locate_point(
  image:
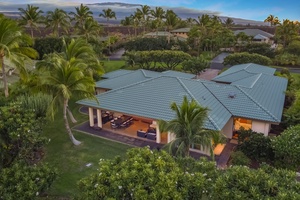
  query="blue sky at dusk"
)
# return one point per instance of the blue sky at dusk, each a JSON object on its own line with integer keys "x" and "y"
{"x": 246, "y": 9}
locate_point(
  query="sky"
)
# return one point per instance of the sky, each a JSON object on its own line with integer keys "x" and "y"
{"x": 246, "y": 9}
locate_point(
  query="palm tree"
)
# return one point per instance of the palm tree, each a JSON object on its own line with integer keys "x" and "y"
{"x": 57, "y": 19}
{"x": 127, "y": 21}
{"x": 228, "y": 22}
{"x": 144, "y": 11}
{"x": 81, "y": 15}
{"x": 190, "y": 21}
{"x": 90, "y": 28}
{"x": 158, "y": 14}
{"x": 286, "y": 32}
{"x": 63, "y": 75}
{"x": 171, "y": 21}
{"x": 31, "y": 16}
{"x": 108, "y": 14}
{"x": 204, "y": 20}
{"x": 272, "y": 20}
{"x": 188, "y": 129}
{"x": 11, "y": 39}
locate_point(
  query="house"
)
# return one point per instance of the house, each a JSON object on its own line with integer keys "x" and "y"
{"x": 257, "y": 35}
{"x": 247, "y": 95}
{"x": 158, "y": 34}
{"x": 181, "y": 33}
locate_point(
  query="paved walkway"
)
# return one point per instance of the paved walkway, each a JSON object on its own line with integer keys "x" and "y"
{"x": 225, "y": 155}
{"x": 117, "y": 55}
{"x": 217, "y": 62}
{"x": 85, "y": 127}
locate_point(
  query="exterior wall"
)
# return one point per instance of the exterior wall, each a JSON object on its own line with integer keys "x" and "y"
{"x": 261, "y": 127}
{"x": 184, "y": 35}
{"x": 228, "y": 128}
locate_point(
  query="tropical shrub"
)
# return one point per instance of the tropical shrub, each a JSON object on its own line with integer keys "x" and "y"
{"x": 287, "y": 147}
{"x": 257, "y": 146}
{"x": 195, "y": 65}
{"x": 20, "y": 135}
{"x": 158, "y": 60}
{"x": 48, "y": 45}
{"x": 147, "y": 174}
{"x": 287, "y": 59}
{"x": 259, "y": 48}
{"x": 239, "y": 158}
{"x": 294, "y": 48}
{"x": 240, "y": 182}
{"x": 244, "y": 57}
{"x": 21, "y": 181}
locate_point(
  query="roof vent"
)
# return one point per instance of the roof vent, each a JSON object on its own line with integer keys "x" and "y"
{"x": 231, "y": 95}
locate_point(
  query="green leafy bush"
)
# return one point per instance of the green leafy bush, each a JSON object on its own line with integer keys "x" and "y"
{"x": 256, "y": 146}
{"x": 239, "y": 158}
{"x": 259, "y": 48}
{"x": 195, "y": 65}
{"x": 287, "y": 147}
{"x": 21, "y": 181}
{"x": 242, "y": 58}
{"x": 48, "y": 45}
{"x": 146, "y": 174}
{"x": 240, "y": 182}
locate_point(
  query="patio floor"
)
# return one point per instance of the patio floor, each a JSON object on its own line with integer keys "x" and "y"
{"x": 129, "y": 137}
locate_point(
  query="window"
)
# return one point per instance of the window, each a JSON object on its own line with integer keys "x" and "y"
{"x": 242, "y": 122}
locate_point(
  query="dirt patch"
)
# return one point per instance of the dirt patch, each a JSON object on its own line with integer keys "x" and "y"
{"x": 208, "y": 74}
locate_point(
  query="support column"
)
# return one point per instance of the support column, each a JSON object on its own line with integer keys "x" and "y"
{"x": 91, "y": 117}
{"x": 171, "y": 136}
{"x": 158, "y": 135}
{"x": 99, "y": 118}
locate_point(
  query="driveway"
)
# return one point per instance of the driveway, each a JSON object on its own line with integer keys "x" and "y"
{"x": 217, "y": 62}
{"x": 117, "y": 55}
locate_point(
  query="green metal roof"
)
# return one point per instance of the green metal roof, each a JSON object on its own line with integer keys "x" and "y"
{"x": 259, "y": 97}
{"x": 178, "y": 74}
{"x": 254, "y": 32}
{"x": 181, "y": 30}
{"x": 126, "y": 77}
{"x": 149, "y": 99}
{"x": 159, "y": 33}
{"x": 116, "y": 73}
{"x": 269, "y": 92}
{"x": 238, "y": 72}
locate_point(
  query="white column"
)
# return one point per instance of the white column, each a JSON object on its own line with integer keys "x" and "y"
{"x": 158, "y": 135}
{"x": 171, "y": 136}
{"x": 99, "y": 118}
{"x": 91, "y": 116}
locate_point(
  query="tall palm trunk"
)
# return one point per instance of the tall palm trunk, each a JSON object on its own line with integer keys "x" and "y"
{"x": 75, "y": 142}
{"x": 4, "y": 78}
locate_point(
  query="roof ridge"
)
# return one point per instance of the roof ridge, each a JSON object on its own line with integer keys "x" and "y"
{"x": 247, "y": 66}
{"x": 136, "y": 83}
{"x": 190, "y": 93}
{"x": 129, "y": 71}
{"x": 252, "y": 99}
{"x": 256, "y": 79}
{"x": 215, "y": 95}
{"x": 236, "y": 72}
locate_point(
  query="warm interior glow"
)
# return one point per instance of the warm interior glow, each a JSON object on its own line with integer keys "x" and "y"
{"x": 242, "y": 122}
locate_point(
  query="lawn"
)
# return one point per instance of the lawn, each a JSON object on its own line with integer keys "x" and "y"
{"x": 70, "y": 160}
{"x": 113, "y": 65}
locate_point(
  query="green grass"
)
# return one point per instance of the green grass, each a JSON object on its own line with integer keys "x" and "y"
{"x": 113, "y": 65}
{"x": 70, "y": 160}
